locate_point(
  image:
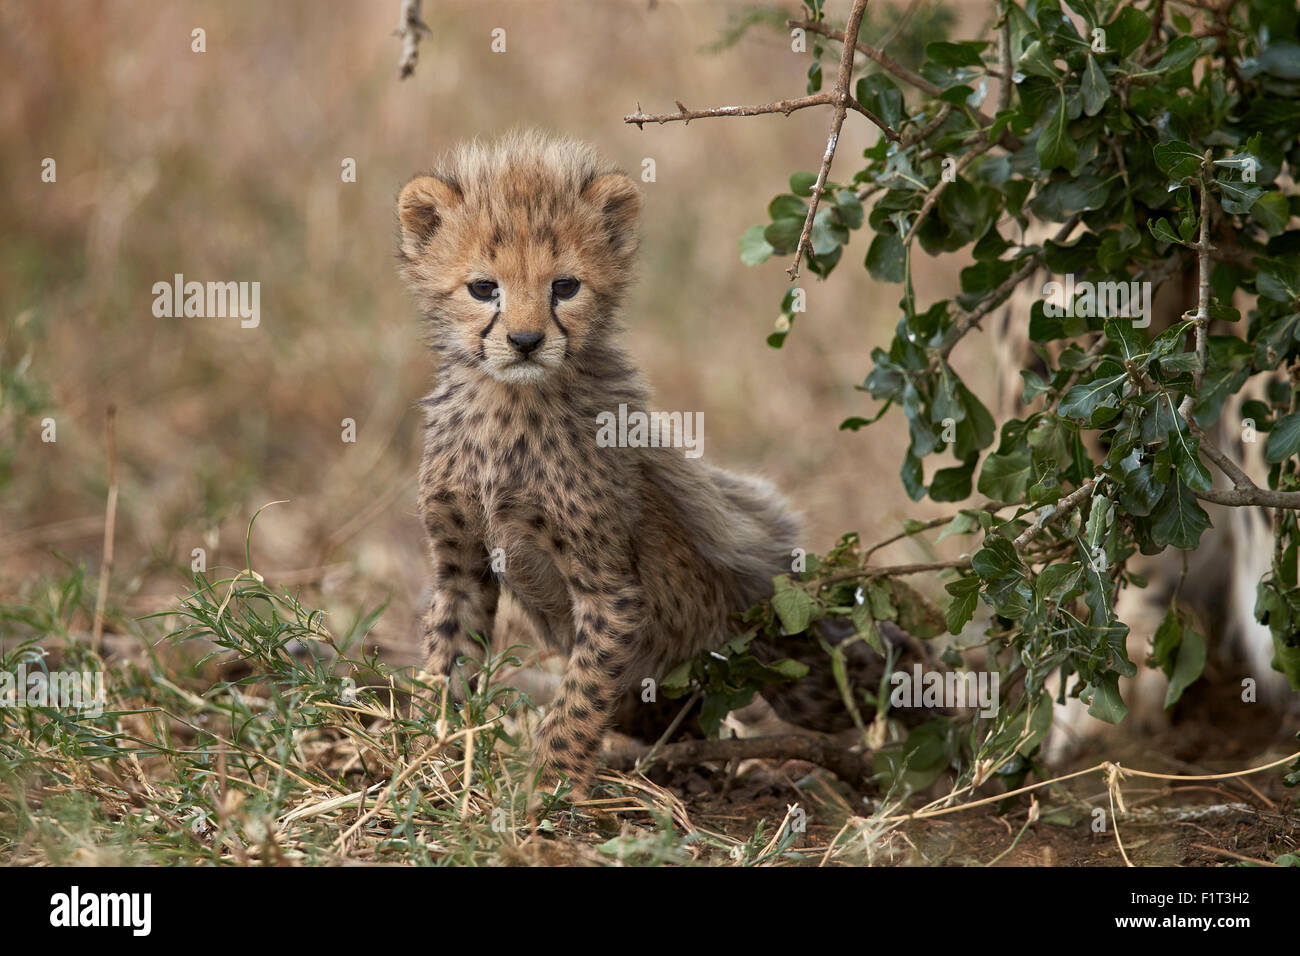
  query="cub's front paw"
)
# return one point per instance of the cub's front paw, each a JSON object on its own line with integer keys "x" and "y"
{"x": 459, "y": 669}
{"x": 560, "y": 773}
{"x": 552, "y": 790}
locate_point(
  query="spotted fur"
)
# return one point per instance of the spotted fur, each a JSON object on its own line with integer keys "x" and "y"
{"x": 628, "y": 559}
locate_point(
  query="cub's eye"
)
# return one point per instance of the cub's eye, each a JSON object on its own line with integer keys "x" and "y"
{"x": 483, "y": 289}
{"x": 565, "y": 287}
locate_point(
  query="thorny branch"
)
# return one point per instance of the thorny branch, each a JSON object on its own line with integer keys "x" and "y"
{"x": 854, "y": 769}
{"x": 932, "y": 523}
{"x": 842, "y": 81}
{"x": 1244, "y": 491}
{"x": 840, "y": 96}
{"x": 1055, "y": 512}
{"x": 1006, "y": 140}
{"x": 1202, "y": 317}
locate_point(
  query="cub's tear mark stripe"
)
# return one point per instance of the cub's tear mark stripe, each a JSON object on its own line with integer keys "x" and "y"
{"x": 482, "y": 336}
{"x": 560, "y": 325}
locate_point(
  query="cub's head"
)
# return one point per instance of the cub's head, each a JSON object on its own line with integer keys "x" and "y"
{"x": 518, "y": 252}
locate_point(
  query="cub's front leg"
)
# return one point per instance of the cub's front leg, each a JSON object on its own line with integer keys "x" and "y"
{"x": 465, "y": 591}
{"x": 609, "y": 622}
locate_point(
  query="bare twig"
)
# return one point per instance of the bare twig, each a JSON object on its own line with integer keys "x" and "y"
{"x": 1254, "y": 495}
{"x": 1055, "y": 512}
{"x": 644, "y": 763}
{"x": 684, "y": 115}
{"x": 879, "y": 56}
{"x": 1244, "y": 491}
{"x": 933, "y": 523}
{"x": 1202, "y": 317}
{"x": 110, "y": 520}
{"x": 895, "y": 570}
{"x": 928, "y": 130}
{"x": 1004, "y": 61}
{"x": 410, "y": 29}
{"x": 972, "y": 319}
{"x": 1047, "y": 516}
{"x": 900, "y": 24}
{"x": 1157, "y": 24}
{"x": 1231, "y": 855}
{"x": 845, "y": 97}
{"x": 1225, "y": 464}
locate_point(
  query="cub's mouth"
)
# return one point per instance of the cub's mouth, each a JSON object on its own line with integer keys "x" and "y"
{"x": 521, "y": 371}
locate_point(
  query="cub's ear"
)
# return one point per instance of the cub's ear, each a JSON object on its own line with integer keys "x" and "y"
{"x": 619, "y": 203}
{"x": 423, "y": 202}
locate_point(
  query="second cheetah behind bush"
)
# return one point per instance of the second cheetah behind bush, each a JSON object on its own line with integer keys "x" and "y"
{"x": 630, "y": 559}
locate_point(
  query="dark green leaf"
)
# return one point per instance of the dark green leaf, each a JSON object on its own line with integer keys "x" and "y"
{"x": 1238, "y": 198}
{"x": 952, "y": 484}
{"x": 965, "y": 595}
{"x": 878, "y": 93}
{"x": 953, "y": 55}
{"x": 1094, "y": 88}
{"x": 1107, "y": 704}
{"x": 1283, "y": 439}
{"x": 1188, "y": 664}
{"x": 801, "y": 184}
{"x": 1272, "y": 212}
{"x": 1005, "y": 477}
{"x": 783, "y": 235}
{"x": 1177, "y": 159}
{"x": 1081, "y": 401}
{"x": 885, "y": 259}
{"x": 1055, "y": 146}
{"x": 1128, "y": 31}
{"x": 1178, "y": 520}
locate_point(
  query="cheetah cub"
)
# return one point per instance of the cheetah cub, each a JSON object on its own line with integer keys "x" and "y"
{"x": 630, "y": 560}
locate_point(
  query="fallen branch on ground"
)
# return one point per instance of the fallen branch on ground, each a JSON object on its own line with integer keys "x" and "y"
{"x": 852, "y": 768}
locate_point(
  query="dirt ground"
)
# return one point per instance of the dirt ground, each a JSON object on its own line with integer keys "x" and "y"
{"x": 1250, "y": 819}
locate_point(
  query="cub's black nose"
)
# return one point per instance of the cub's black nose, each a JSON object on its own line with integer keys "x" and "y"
{"x": 524, "y": 342}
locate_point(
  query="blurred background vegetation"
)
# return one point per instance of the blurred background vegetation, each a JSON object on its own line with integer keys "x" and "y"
{"x": 225, "y": 166}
